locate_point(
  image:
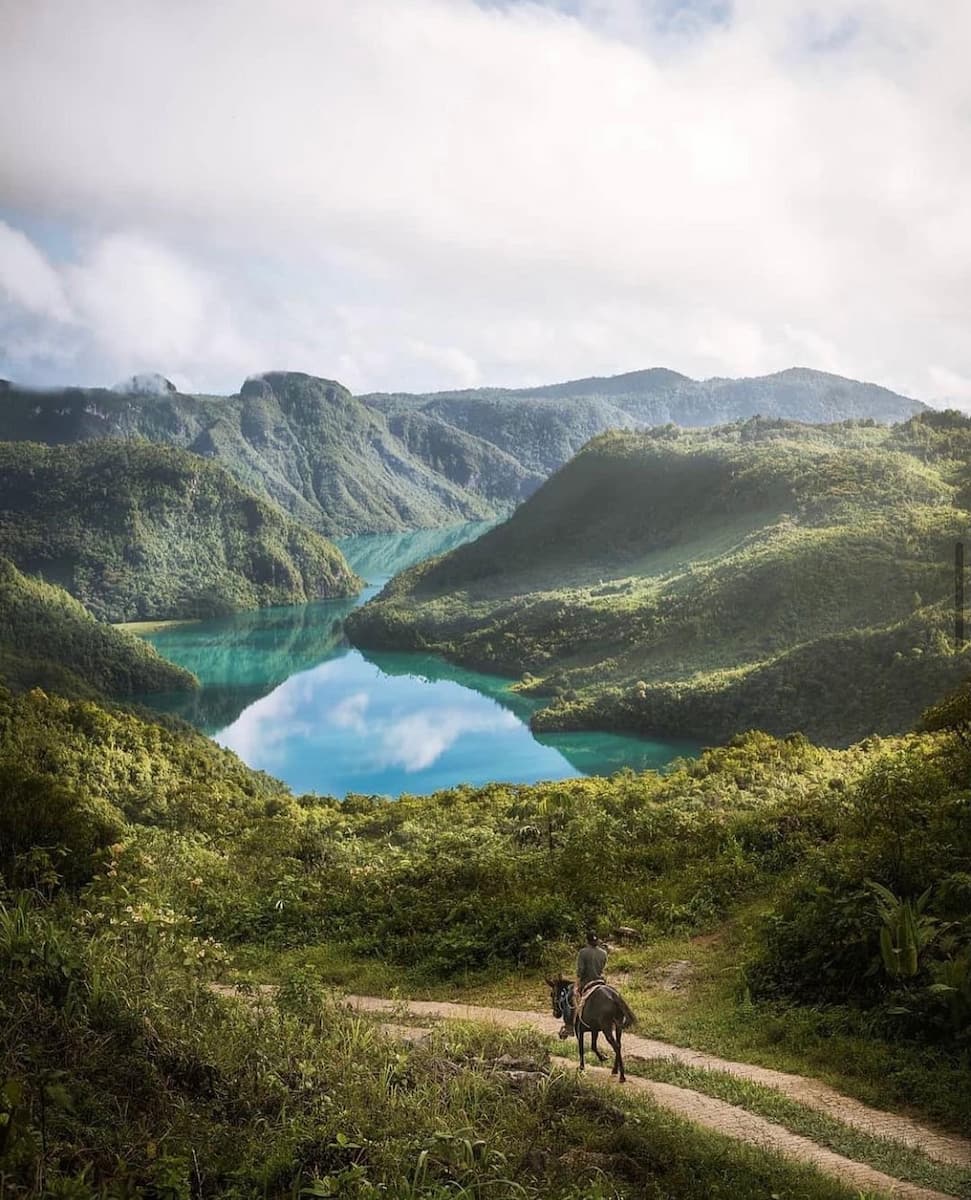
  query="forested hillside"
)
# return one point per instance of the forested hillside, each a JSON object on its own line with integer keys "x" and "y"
{"x": 347, "y": 465}
{"x": 764, "y": 574}
{"x": 48, "y": 639}
{"x": 137, "y": 531}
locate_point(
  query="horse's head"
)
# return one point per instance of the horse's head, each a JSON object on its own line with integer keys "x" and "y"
{"x": 560, "y": 999}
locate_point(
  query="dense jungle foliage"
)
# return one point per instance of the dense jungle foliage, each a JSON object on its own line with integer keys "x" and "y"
{"x": 137, "y": 856}
{"x": 764, "y": 574}
{"x": 49, "y": 639}
{"x": 136, "y": 531}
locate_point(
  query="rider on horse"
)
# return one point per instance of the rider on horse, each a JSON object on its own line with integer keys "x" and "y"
{"x": 590, "y": 962}
{"x": 590, "y": 1005}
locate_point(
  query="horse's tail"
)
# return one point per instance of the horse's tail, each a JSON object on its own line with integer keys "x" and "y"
{"x": 629, "y": 1018}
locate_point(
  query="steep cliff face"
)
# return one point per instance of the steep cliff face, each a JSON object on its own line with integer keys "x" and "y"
{"x": 304, "y": 442}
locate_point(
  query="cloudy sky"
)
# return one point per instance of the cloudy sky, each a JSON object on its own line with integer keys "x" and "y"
{"x": 435, "y": 193}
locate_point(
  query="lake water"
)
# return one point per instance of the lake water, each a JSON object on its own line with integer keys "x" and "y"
{"x": 282, "y": 687}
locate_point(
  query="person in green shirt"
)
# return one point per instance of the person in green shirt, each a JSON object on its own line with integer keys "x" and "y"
{"x": 590, "y": 962}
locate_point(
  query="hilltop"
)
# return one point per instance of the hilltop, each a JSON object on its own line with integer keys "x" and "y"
{"x": 764, "y": 574}
{"x": 136, "y": 531}
{"x": 346, "y": 464}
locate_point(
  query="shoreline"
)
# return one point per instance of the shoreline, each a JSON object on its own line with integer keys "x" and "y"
{"x": 143, "y": 627}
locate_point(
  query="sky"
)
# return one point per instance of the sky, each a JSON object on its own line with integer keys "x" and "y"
{"x": 429, "y": 194}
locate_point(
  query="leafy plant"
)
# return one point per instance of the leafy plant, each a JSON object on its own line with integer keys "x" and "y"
{"x": 906, "y": 931}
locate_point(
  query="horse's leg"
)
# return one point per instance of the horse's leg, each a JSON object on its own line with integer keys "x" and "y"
{"x": 594, "y": 1034}
{"x": 620, "y": 1053}
{"x": 583, "y": 1065}
{"x": 612, "y": 1034}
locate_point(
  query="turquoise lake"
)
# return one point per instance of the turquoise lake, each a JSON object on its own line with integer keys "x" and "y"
{"x": 284, "y": 689}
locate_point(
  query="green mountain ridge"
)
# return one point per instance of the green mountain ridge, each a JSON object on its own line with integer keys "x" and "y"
{"x": 766, "y": 574}
{"x": 138, "y": 531}
{"x": 48, "y": 639}
{"x": 305, "y": 443}
{"x": 545, "y": 426}
{"x": 346, "y": 464}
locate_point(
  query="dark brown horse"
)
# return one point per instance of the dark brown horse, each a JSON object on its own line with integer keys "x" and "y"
{"x": 604, "y": 1012}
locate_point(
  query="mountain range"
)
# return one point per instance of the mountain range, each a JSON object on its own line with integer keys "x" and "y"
{"x": 346, "y": 464}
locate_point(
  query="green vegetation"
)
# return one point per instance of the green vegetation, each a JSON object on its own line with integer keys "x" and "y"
{"x": 48, "y": 639}
{"x": 543, "y": 427}
{"x": 137, "y": 531}
{"x": 894, "y": 1159}
{"x": 137, "y": 855}
{"x": 172, "y": 1091}
{"x": 150, "y": 855}
{"x": 825, "y": 891}
{"x": 764, "y": 574}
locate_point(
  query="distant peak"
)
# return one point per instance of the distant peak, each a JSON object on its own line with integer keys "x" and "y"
{"x": 280, "y": 382}
{"x": 149, "y": 383}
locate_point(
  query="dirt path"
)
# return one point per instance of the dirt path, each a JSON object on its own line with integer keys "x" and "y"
{"x": 747, "y": 1127}
{"x": 944, "y": 1147}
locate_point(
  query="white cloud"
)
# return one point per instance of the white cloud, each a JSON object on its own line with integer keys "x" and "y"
{"x": 441, "y": 193}
{"x": 27, "y": 280}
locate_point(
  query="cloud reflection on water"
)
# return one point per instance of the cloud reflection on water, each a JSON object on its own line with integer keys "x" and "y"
{"x": 348, "y": 723}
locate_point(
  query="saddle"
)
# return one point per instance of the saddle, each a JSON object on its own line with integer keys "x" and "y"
{"x": 581, "y": 996}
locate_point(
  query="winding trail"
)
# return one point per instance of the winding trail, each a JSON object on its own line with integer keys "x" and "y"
{"x": 944, "y": 1147}
{"x": 707, "y": 1111}
{"x": 744, "y": 1126}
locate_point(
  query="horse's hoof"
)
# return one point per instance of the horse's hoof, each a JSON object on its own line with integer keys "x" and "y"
{"x": 623, "y": 1079}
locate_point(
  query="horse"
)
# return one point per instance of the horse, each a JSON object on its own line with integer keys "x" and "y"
{"x": 604, "y": 1012}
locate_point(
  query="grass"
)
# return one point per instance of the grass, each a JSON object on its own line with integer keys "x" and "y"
{"x": 689, "y": 1018}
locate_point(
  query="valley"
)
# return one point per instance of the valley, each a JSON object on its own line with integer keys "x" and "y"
{"x": 240, "y": 849}
{"x": 283, "y": 689}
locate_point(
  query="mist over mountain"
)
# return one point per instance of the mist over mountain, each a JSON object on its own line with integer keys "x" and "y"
{"x": 150, "y": 384}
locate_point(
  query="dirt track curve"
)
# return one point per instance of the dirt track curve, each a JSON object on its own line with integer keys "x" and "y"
{"x": 744, "y": 1126}
{"x": 726, "y": 1118}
